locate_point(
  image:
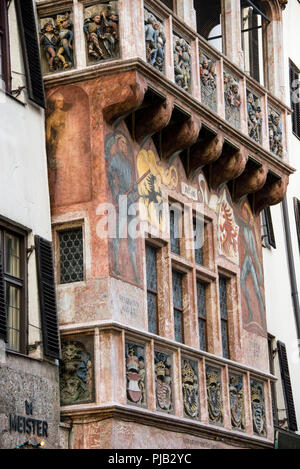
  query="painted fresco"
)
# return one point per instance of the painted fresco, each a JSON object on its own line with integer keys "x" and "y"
{"x": 68, "y": 146}
{"x": 152, "y": 174}
{"x": 123, "y": 188}
{"x": 251, "y": 270}
{"x": 228, "y": 230}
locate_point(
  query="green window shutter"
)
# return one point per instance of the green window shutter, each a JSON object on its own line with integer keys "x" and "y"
{"x": 287, "y": 387}
{"x": 31, "y": 52}
{"x": 47, "y": 297}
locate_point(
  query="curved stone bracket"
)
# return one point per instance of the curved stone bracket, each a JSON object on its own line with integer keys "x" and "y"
{"x": 153, "y": 119}
{"x": 179, "y": 137}
{"x": 272, "y": 193}
{"x": 228, "y": 167}
{"x": 250, "y": 181}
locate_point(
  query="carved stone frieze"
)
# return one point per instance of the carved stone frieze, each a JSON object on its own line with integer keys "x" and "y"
{"x": 190, "y": 388}
{"x": 258, "y": 408}
{"x": 182, "y": 63}
{"x": 135, "y": 373}
{"x": 163, "y": 381}
{"x": 237, "y": 406}
{"x": 101, "y": 29}
{"x": 232, "y": 100}
{"x": 208, "y": 79}
{"x": 56, "y": 40}
{"x": 214, "y": 395}
{"x": 155, "y": 41}
{"x": 254, "y": 113}
{"x": 275, "y": 132}
{"x": 76, "y": 373}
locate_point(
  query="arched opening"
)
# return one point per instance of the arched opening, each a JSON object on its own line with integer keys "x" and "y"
{"x": 209, "y": 21}
{"x": 254, "y": 22}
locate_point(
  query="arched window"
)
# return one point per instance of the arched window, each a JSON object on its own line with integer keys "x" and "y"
{"x": 253, "y": 24}
{"x": 209, "y": 21}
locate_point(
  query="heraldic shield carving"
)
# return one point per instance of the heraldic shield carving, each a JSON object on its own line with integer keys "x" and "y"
{"x": 258, "y": 408}
{"x": 237, "y": 409}
{"x": 163, "y": 381}
{"x": 214, "y": 395}
{"x": 190, "y": 389}
{"x": 76, "y": 373}
{"x": 135, "y": 373}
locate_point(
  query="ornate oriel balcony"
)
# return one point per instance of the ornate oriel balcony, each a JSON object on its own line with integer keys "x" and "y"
{"x": 141, "y": 105}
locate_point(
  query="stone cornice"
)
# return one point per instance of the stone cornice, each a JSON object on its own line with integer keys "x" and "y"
{"x": 85, "y": 414}
{"x": 186, "y": 100}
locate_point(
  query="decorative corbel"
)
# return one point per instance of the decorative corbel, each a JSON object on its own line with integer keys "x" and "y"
{"x": 228, "y": 167}
{"x": 179, "y": 137}
{"x": 272, "y": 193}
{"x": 121, "y": 95}
{"x": 153, "y": 119}
{"x": 250, "y": 181}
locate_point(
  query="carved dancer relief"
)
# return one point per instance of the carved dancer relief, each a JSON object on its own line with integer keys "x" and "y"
{"x": 237, "y": 408}
{"x": 101, "y": 28}
{"x": 208, "y": 79}
{"x": 155, "y": 41}
{"x": 190, "y": 388}
{"x": 75, "y": 373}
{"x": 135, "y": 373}
{"x": 254, "y": 113}
{"x": 232, "y": 100}
{"x": 214, "y": 395}
{"x": 275, "y": 132}
{"x": 163, "y": 381}
{"x": 258, "y": 407}
{"x": 56, "y": 39}
{"x": 182, "y": 63}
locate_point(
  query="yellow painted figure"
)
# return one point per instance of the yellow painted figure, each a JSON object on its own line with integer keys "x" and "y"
{"x": 151, "y": 175}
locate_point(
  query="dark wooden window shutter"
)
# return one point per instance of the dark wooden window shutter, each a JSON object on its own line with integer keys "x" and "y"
{"x": 269, "y": 226}
{"x": 31, "y": 53}
{"x": 3, "y": 326}
{"x": 295, "y": 105}
{"x": 287, "y": 387}
{"x": 297, "y": 216}
{"x": 47, "y": 297}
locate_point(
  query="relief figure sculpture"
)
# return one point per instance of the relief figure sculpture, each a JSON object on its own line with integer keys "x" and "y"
{"x": 155, "y": 41}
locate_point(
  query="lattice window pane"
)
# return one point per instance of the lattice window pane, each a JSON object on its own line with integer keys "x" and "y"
{"x": 152, "y": 312}
{"x": 151, "y": 268}
{"x": 223, "y": 297}
{"x": 224, "y": 339}
{"x": 175, "y": 231}
{"x": 71, "y": 255}
{"x": 198, "y": 240}
{"x": 177, "y": 289}
{"x": 178, "y": 325}
{"x": 202, "y": 333}
{"x": 201, "y": 301}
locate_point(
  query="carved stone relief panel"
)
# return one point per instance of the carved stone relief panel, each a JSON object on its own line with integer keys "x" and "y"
{"x": 101, "y": 29}
{"x": 190, "y": 388}
{"x": 208, "y": 80}
{"x": 258, "y": 407}
{"x": 182, "y": 63}
{"x": 214, "y": 395}
{"x": 155, "y": 41}
{"x": 135, "y": 373}
{"x": 275, "y": 132}
{"x": 57, "y": 42}
{"x": 232, "y": 100}
{"x": 163, "y": 381}
{"x": 237, "y": 407}
{"x": 254, "y": 114}
{"x": 76, "y": 371}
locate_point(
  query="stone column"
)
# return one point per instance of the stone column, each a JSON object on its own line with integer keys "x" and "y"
{"x": 186, "y": 11}
{"x": 231, "y": 12}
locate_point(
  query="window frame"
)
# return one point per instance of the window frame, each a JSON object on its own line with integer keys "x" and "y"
{"x": 4, "y": 42}
{"x": 293, "y": 69}
{"x": 19, "y": 282}
{"x": 156, "y": 293}
{"x": 57, "y": 229}
{"x": 227, "y": 319}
